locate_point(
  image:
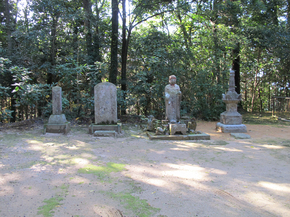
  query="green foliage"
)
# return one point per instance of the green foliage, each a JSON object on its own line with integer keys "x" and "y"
{"x": 67, "y": 45}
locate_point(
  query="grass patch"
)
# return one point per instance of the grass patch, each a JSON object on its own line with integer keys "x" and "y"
{"x": 140, "y": 207}
{"x": 263, "y": 119}
{"x": 102, "y": 171}
{"x": 47, "y": 209}
{"x": 50, "y": 204}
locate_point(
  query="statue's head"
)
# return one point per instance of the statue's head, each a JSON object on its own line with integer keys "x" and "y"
{"x": 172, "y": 79}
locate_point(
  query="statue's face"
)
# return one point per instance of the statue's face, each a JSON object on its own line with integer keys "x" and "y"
{"x": 172, "y": 80}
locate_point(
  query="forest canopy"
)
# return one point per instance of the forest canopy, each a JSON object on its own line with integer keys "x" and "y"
{"x": 137, "y": 44}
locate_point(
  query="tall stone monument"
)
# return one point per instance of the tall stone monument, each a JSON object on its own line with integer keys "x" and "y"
{"x": 105, "y": 103}
{"x": 57, "y": 122}
{"x": 231, "y": 120}
{"x": 172, "y": 107}
{"x": 105, "y": 97}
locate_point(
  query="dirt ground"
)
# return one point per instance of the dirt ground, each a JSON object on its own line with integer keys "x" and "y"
{"x": 81, "y": 175}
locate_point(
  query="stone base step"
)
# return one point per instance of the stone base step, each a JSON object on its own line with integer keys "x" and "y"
{"x": 57, "y": 128}
{"x": 93, "y": 127}
{"x": 105, "y": 133}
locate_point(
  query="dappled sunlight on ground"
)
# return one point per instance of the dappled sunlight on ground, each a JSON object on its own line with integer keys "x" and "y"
{"x": 228, "y": 149}
{"x": 284, "y": 187}
{"x": 96, "y": 176}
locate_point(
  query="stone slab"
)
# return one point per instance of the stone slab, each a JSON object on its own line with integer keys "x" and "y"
{"x": 241, "y": 128}
{"x": 104, "y": 133}
{"x": 174, "y": 128}
{"x": 117, "y": 128}
{"x": 201, "y": 136}
{"x": 105, "y": 97}
{"x": 56, "y": 100}
{"x": 240, "y": 136}
{"x": 57, "y": 128}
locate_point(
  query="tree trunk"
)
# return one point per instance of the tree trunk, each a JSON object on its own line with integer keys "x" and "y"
{"x": 97, "y": 56}
{"x": 8, "y": 28}
{"x": 114, "y": 43}
{"x": 124, "y": 57}
{"x": 236, "y": 67}
{"x": 51, "y": 76}
{"x": 88, "y": 32}
{"x": 75, "y": 42}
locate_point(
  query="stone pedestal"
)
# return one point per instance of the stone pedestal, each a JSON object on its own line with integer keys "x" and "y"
{"x": 177, "y": 128}
{"x": 240, "y": 128}
{"x": 231, "y": 120}
{"x": 113, "y": 128}
{"x": 57, "y": 122}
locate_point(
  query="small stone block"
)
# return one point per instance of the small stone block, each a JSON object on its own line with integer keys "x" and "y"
{"x": 240, "y": 136}
{"x": 57, "y": 128}
{"x": 105, "y": 133}
{"x": 117, "y": 128}
{"x": 241, "y": 128}
{"x": 201, "y": 136}
{"x": 174, "y": 128}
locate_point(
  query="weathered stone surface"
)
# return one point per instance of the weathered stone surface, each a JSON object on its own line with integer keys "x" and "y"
{"x": 57, "y": 122}
{"x": 172, "y": 100}
{"x": 105, "y": 133}
{"x": 231, "y": 120}
{"x": 117, "y": 128}
{"x": 241, "y": 128}
{"x": 150, "y": 123}
{"x": 201, "y": 136}
{"x": 174, "y": 128}
{"x": 57, "y": 119}
{"x": 57, "y": 128}
{"x": 105, "y": 103}
{"x": 56, "y": 101}
{"x": 240, "y": 136}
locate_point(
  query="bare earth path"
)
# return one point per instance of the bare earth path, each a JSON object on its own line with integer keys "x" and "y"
{"x": 80, "y": 175}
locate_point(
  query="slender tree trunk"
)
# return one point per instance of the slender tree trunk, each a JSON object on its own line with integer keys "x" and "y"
{"x": 88, "y": 10}
{"x": 255, "y": 82}
{"x": 97, "y": 43}
{"x": 236, "y": 67}
{"x": 50, "y": 76}
{"x": 114, "y": 43}
{"x": 8, "y": 28}
{"x": 124, "y": 56}
{"x": 75, "y": 42}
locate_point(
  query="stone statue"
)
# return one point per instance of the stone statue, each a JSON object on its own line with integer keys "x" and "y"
{"x": 150, "y": 124}
{"x": 172, "y": 100}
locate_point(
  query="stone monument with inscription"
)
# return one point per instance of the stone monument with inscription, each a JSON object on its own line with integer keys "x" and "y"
{"x": 105, "y": 104}
{"x": 172, "y": 107}
{"x": 231, "y": 120}
{"x": 57, "y": 122}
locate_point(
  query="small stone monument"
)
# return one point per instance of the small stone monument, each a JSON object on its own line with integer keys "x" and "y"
{"x": 231, "y": 120}
{"x": 105, "y": 97}
{"x": 172, "y": 105}
{"x": 57, "y": 122}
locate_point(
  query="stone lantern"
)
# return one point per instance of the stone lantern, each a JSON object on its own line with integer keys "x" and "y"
{"x": 231, "y": 119}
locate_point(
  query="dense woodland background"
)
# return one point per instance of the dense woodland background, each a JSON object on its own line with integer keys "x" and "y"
{"x": 137, "y": 44}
